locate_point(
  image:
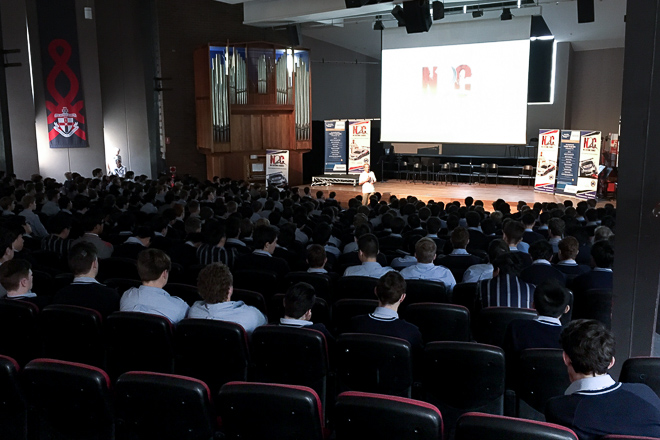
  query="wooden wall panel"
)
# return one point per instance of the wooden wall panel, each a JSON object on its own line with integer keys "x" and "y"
{"x": 204, "y": 117}
{"x": 276, "y": 131}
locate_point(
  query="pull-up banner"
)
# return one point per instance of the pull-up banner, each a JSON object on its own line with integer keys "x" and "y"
{"x": 579, "y": 156}
{"x": 359, "y": 145}
{"x": 335, "y": 147}
{"x": 546, "y": 165}
{"x": 60, "y": 60}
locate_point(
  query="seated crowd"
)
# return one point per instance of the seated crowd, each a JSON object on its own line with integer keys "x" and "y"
{"x": 541, "y": 256}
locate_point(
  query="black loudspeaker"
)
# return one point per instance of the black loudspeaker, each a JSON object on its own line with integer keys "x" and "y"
{"x": 418, "y": 16}
{"x": 294, "y": 35}
{"x": 585, "y": 11}
{"x": 438, "y": 10}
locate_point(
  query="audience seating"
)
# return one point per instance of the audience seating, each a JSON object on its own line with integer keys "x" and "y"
{"x": 114, "y": 267}
{"x": 594, "y": 304}
{"x": 42, "y": 282}
{"x": 476, "y": 426}
{"x": 644, "y": 370}
{"x": 626, "y": 437}
{"x": 13, "y": 407}
{"x": 163, "y": 406}
{"x": 122, "y": 284}
{"x": 540, "y": 375}
{"x": 374, "y": 363}
{"x": 459, "y": 377}
{"x": 425, "y": 291}
{"x": 72, "y": 333}
{"x": 265, "y": 282}
{"x": 68, "y": 400}
{"x": 345, "y": 309}
{"x": 186, "y": 292}
{"x": 490, "y": 327}
{"x": 251, "y": 298}
{"x": 440, "y": 322}
{"x": 215, "y": 352}
{"x": 320, "y": 282}
{"x": 270, "y": 411}
{"x": 18, "y": 327}
{"x": 139, "y": 341}
{"x": 361, "y": 416}
{"x": 355, "y": 288}
{"x": 291, "y": 356}
{"x": 320, "y": 310}
{"x": 465, "y": 294}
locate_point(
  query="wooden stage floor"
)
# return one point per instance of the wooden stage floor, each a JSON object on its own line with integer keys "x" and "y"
{"x": 488, "y": 193}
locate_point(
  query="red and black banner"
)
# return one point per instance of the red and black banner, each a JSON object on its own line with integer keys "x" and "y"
{"x": 60, "y": 61}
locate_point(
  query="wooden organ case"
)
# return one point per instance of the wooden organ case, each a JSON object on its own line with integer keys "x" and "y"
{"x": 251, "y": 97}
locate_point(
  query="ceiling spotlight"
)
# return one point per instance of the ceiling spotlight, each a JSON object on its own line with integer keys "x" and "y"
{"x": 506, "y": 14}
{"x": 397, "y": 12}
{"x": 378, "y": 25}
{"x": 477, "y": 13}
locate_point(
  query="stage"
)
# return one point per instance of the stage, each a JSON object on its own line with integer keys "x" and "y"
{"x": 488, "y": 193}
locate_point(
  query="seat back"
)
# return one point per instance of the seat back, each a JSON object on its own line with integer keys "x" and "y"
{"x": 440, "y": 322}
{"x": 458, "y": 377}
{"x": 292, "y": 356}
{"x": 374, "y": 364}
{"x": 186, "y": 292}
{"x": 18, "y": 319}
{"x": 541, "y": 376}
{"x": 264, "y": 282}
{"x": 492, "y": 322}
{"x": 363, "y": 415}
{"x": 162, "y": 406}
{"x": 215, "y": 352}
{"x": 626, "y": 437}
{"x": 476, "y": 426}
{"x": 344, "y": 310}
{"x": 122, "y": 284}
{"x": 114, "y": 267}
{"x": 72, "y": 333}
{"x": 320, "y": 310}
{"x": 594, "y": 304}
{"x": 465, "y": 294}
{"x": 273, "y": 411}
{"x": 355, "y": 288}
{"x": 644, "y": 370}
{"x": 251, "y": 298}
{"x": 68, "y": 400}
{"x": 425, "y": 291}
{"x": 13, "y": 408}
{"x": 42, "y": 282}
{"x": 320, "y": 282}
{"x": 139, "y": 341}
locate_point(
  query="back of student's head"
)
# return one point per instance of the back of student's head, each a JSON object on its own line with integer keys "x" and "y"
{"x": 496, "y": 248}
{"x": 556, "y": 226}
{"x": 541, "y": 250}
{"x": 81, "y": 257}
{"x": 398, "y": 223}
{"x": 473, "y": 219}
{"x": 433, "y": 225}
{"x": 59, "y": 222}
{"x": 460, "y": 237}
{"x": 589, "y": 345}
{"x": 262, "y": 235}
{"x": 151, "y": 263}
{"x": 551, "y": 298}
{"x": 425, "y": 250}
{"x": 514, "y": 231}
{"x": 12, "y": 272}
{"x": 368, "y": 245}
{"x": 603, "y": 254}
{"x": 390, "y": 287}
{"x": 507, "y": 264}
{"x": 316, "y": 256}
{"x": 214, "y": 282}
{"x": 527, "y": 219}
{"x": 298, "y": 300}
{"x": 569, "y": 247}
{"x": 90, "y": 220}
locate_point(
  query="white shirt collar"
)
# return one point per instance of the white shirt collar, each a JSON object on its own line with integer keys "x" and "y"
{"x": 295, "y": 322}
{"x": 590, "y": 384}
{"x": 261, "y": 252}
{"x": 316, "y": 270}
{"x": 602, "y": 269}
{"x": 384, "y": 312}
{"x": 542, "y": 261}
{"x": 549, "y": 320}
{"x": 568, "y": 262}
{"x": 459, "y": 252}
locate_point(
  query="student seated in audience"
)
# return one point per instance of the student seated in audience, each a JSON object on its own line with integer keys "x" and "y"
{"x": 568, "y": 250}
{"x": 367, "y": 253}
{"x": 484, "y": 271}
{"x": 134, "y": 244}
{"x": 16, "y": 279}
{"x": 58, "y": 241}
{"x": 316, "y": 259}
{"x": 594, "y": 404}
{"x": 215, "y": 286}
{"x": 506, "y": 289}
{"x": 29, "y": 204}
{"x": 214, "y": 250}
{"x": 298, "y": 302}
{"x": 601, "y": 277}
{"x": 154, "y": 268}
{"x": 264, "y": 240}
{"x": 541, "y": 268}
{"x": 530, "y": 236}
{"x": 93, "y": 226}
{"x": 85, "y": 291}
{"x": 390, "y": 291}
{"x": 555, "y": 229}
{"x": 460, "y": 259}
{"x": 512, "y": 233}
{"x": 425, "y": 250}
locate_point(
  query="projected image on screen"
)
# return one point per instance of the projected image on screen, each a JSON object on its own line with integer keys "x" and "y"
{"x": 469, "y": 93}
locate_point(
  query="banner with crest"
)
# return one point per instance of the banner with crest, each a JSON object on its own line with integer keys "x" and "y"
{"x": 60, "y": 60}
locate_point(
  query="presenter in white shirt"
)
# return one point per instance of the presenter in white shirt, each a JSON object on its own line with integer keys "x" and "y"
{"x": 367, "y": 180}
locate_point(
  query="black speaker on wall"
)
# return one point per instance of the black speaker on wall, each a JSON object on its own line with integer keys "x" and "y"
{"x": 417, "y": 14}
{"x": 585, "y": 9}
{"x": 438, "y": 10}
{"x": 294, "y": 35}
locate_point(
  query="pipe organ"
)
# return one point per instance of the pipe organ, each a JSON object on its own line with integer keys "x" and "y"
{"x": 249, "y": 98}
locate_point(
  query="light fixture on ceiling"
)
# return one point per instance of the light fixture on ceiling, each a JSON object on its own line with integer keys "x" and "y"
{"x": 378, "y": 25}
{"x": 397, "y": 12}
{"x": 506, "y": 14}
{"x": 478, "y": 13}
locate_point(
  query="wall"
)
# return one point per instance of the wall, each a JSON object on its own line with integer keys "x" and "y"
{"x": 183, "y": 27}
{"x": 597, "y": 84}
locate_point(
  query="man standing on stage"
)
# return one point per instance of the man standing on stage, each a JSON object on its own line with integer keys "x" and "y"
{"x": 367, "y": 180}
